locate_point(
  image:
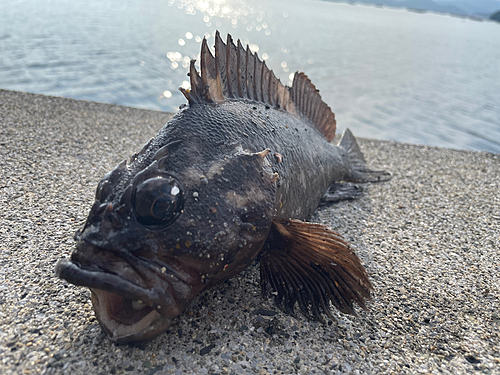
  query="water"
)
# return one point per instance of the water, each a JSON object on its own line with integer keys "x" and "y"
{"x": 387, "y": 73}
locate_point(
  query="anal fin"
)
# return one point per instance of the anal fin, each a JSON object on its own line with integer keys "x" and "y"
{"x": 314, "y": 267}
{"x": 341, "y": 192}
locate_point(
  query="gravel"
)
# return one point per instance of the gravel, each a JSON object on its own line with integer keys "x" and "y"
{"x": 429, "y": 238}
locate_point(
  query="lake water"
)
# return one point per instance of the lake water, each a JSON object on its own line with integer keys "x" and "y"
{"x": 387, "y": 73}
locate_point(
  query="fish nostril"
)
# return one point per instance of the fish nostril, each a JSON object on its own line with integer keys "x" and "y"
{"x": 116, "y": 220}
{"x": 109, "y": 213}
{"x": 101, "y": 209}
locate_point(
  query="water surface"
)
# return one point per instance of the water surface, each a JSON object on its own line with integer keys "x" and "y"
{"x": 387, "y": 73}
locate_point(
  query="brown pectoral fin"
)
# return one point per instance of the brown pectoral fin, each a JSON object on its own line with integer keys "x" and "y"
{"x": 311, "y": 265}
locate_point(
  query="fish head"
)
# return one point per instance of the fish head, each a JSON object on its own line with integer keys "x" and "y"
{"x": 157, "y": 235}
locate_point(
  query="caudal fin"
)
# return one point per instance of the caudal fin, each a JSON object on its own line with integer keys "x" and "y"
{"x": 360, "y": 172}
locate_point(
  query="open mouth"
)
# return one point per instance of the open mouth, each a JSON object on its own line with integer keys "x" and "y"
{"x": 123, "y": 319}
{"x": 127, "y": 312}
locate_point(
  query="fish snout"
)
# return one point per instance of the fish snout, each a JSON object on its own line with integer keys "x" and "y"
{"x": 105, "y": 227}
{"x": 130, "y": 301}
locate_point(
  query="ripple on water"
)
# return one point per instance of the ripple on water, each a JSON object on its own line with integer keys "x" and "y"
{"x": 387, "y": 73}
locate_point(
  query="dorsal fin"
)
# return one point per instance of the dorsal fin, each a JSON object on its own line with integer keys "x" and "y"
{"x": 310, "y": 106}
{"x": 237, "y": 73}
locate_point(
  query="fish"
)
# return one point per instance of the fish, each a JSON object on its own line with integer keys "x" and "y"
{"x": 230, "y": 180}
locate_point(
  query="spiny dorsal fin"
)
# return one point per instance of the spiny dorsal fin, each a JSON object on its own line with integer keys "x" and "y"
{"x": 310, "y": 106}
{"x": 237, "y": 73}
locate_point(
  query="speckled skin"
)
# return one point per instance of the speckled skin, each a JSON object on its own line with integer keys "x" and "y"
{"x": 230, "y": 192}
{"x": 309, "y": 164}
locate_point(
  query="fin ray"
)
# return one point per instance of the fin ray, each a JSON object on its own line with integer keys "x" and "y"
{"x": 235, "y": 72}
{"x": 221, "y": 65}
{"x": 306, "y": 98}
{"x": 312, "y": 266}
{"x": 360, "y": 172}
{"x": 232, "y": 68}
{"x": 242, "y": 71}
{"x": 340, "y": 192}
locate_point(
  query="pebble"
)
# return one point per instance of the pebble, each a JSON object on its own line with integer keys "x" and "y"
{"x": 207, "y": 349}
{"x": 429, "y": 239}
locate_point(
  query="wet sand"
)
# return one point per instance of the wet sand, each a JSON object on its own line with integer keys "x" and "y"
{"x": 429, "y": 238}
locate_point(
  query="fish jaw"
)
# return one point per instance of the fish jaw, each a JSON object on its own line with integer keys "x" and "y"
{"x": 132, "y": 302}
{"x": 119, "y": 331}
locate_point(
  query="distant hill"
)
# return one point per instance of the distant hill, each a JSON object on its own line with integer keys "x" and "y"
{"x": 474, "y": 7}
{"x": 481, "y": 8}
{"x": 495, "y": 16}
{"x": 431, "y": 5}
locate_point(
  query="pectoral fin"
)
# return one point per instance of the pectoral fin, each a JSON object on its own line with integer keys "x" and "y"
{"x": 314, "y": 267}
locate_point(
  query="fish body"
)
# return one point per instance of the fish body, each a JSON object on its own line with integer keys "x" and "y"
{"x": 225, "y": 181}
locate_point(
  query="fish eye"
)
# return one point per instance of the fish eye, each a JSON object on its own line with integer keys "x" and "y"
{"x": 158, "y": 201}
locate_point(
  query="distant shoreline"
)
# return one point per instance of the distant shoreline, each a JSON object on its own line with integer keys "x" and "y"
{"x": 414, "y": 10}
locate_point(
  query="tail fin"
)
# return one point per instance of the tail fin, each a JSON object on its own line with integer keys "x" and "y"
{"x": 360, "y": 172}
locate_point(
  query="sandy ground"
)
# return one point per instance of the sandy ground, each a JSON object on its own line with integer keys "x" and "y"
{"x": 429, "y": 238}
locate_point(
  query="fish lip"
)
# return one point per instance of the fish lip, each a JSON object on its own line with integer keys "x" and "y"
{"x": 157, "y": 298}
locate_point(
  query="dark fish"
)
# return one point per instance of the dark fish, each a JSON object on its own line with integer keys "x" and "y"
{"x": 226, "y": 181}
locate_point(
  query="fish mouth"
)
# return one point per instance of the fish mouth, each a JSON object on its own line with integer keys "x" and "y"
{"x": 125, "y": 320}
{"x": 126, "y": 311}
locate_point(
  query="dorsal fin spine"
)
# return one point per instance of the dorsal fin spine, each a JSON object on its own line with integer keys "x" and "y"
{"x": 232, "y": 68}
{"x": 203, "y": 64}
{"x": 265, "y": 84}
{"x": 260, "y": 88}
{"x": 300, "y": 94}
{"x": 257, "y": 89}
{"x": 242, "y": 69}
{"x": 220, "y": 65}
{"x": 196, "y": 82}
{"x": 250, "y": 73}
{"x": 259, "y": 71}
{"x": 229, "y": 69}
{"x": 272, "y": 89}
{"x": 236, "y": 72}
{"x": 310, "y": 102}
{"x": 315, "y": 112}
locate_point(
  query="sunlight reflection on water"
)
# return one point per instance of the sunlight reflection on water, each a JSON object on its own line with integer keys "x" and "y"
{"x": 387, "y": 73}
{"x": 229, "y": 13}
